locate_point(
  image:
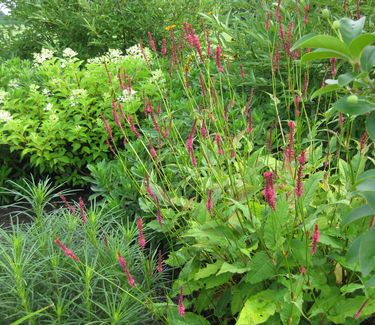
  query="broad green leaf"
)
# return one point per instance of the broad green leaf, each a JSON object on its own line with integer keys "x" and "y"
{"x": 189, "y": 319}
{"x": 261, "y": 268}
{"x": 331, "y": 241}
{"x": 350, "y": 29}
{"x": 217, "y": 280}
{"x": 345, "y": 79}
{"x": 370, "y": 283}
{"x": 351, "y": 287}
{"x": 232, "y": 268}
{"x": 209, "y": 270}
{"x": 359, "y": 108}
{"x": 368, "y": 58}
{"x": 324, "y": 90}
{"x": 357, "y": 214}
{"x": 310, "y": 187}
{"x": 370, "y": 197}
{"x": 291, "y": 310}
{"x": 352, "y": 255}
{"x": 326, "y": 42}
{"x": 368, "y": 185}
{"x": 258, "y": 308}
{"x": 370, "y": 125}
{"x": 359, "y": 43}
{"x": 321, "y": 54}
{"x": 365, "y": 175}
{"x": 367, "y": 252}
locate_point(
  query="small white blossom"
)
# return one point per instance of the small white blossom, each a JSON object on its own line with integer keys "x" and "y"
{"x": 135, "y": 51}
{"x": 13, "y": 83}
{"x": 43, "y": 56}
{"x": 33, "y": 88}
{"x": 69, "y": 53}
{"x": 53, "y": 118}
{"x": 3, "y": 96}
{"x": 48, "y": 107}
{"x": 113, "y": 55}
{"x": 76, "y": 94}
{"x": 46, "y": 92}
{"x": 128, "y": 94}
{"x": 5, "y": 116}
{"x": 157, "y": 77}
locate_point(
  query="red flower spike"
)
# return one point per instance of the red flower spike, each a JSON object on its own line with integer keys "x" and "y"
{"x": 124, "y": 267}
{"x": 69, "y": 253}
{"x": 160, "y": 262}
{"x": 315, "y": 239}
{"x": 141, "y": 237}
{"x": 67, "y": 204}
{"x": 181, "y": 307}
{"x": 82, "y": 210}
{"x": 269, "y": 190}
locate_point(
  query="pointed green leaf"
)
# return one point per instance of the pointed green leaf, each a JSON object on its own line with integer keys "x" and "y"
{"x": 367, "y": 252}
{"x": 358, "y": 108}
{"x": 368, "y": 58}
{"x": 359, "y": 43}
{"x": 321, "y": 54}
{"x": 232, "y": 268}
{"x": 370, "y": 125}
{"x": 350, "y": 29}
{"x": 325, "y": 90}
{"x": 209, "y": 270}
{"x": 258, "y": 309}
{"x": 261, "y": 268}
{"x": 345, "y": 79}
{"x": 326, "y": 42}
{"x": 357, "y": 214}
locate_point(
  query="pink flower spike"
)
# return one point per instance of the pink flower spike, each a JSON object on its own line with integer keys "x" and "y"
{"x": 152, "y": 151}
{"x": 82, "y": 210}
{"x": 160, "y": 262}
{"x": 152, "y": 43}
{"x": 69, "y": 253}
{"x": 132, "y": 127}
{"x": 181, "y": 307}
{"x": 315, "y": 239}
{"x": 299, "y": 187}
{"x": 218, "y": 56}
{"x": 306, "y": 17}
{"x": 209, "y": 204}
{"x": 141, "y": 238}
{"x": 269, "y": 190}
{"x": 150, "y": 191}
{"x": 218, "y": 142}
{"x": 160, "y": 218}
{"x": 67, "y": 204}
{"x": 108, "y": 128}
{"x": 268, "y": 21}
{"x": 124, "y": 267}
{"x": 203, "y": 130}
{"x": 164, "y": 49}
{"x": 303, "y": 270}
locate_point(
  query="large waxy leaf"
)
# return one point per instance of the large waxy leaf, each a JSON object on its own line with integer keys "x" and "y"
{"x": 325, "y": 90}
{"x": 345, "y": 79}
{"x": 359, "y": 108}
{"x": 326, "y": 42}
{"x": 261, "y": 268}
{"x": 367, "y": 252}
{"x": 370, "y": 125}
{"x": 258, "y": 308}
{"x": 357, "y": 214}
{"x": 358, "y": 44}
{"x": 350, "y": 29}
{"x": 321, "y": 54}
{"x": 368, "y": 58}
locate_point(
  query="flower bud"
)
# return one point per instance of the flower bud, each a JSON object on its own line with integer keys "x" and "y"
{"x": 336, "y": 24}
{"x": 352, "y": 99}
{"x": 326, "y": 13}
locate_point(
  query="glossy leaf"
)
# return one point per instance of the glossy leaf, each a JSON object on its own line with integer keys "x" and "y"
{"x": 258, "y": 309}
{"x": 358, "y": 44}
{"x": 370, "y": 125}
{"x": 320, "y": 54}
{"x": 368, "y": 58}
{"x": 325, "y": 90}
{"x": 350, "y": 29}
{"x": 367, "y": 252}
{"x": 359, "y": 108}
{"x": 357, "y": 214}
{"x": 345, "y": 79}
{"x": 323, "y": 42}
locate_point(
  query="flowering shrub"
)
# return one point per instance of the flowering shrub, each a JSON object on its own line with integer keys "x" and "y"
{"x": 51, "y": 112}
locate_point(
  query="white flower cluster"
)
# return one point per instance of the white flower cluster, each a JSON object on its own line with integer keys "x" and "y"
{"x": 157, "y": 77}
{"x": 33, "y": 88}
{"x": 69, "y": 53}
{"x": 3, "y": 96}
{"x": 135, "y": 51}
{"x": 48, "y": 107}
{"x": 13, "y": 83}
{"x": 76, "y": 94}
{"x": 5, "y": 116}
{"x": 43, "y": 56}
{"x": 112, "y": 55}
{"x": 128, "y": 94}
{"x": 46, "y": 92}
